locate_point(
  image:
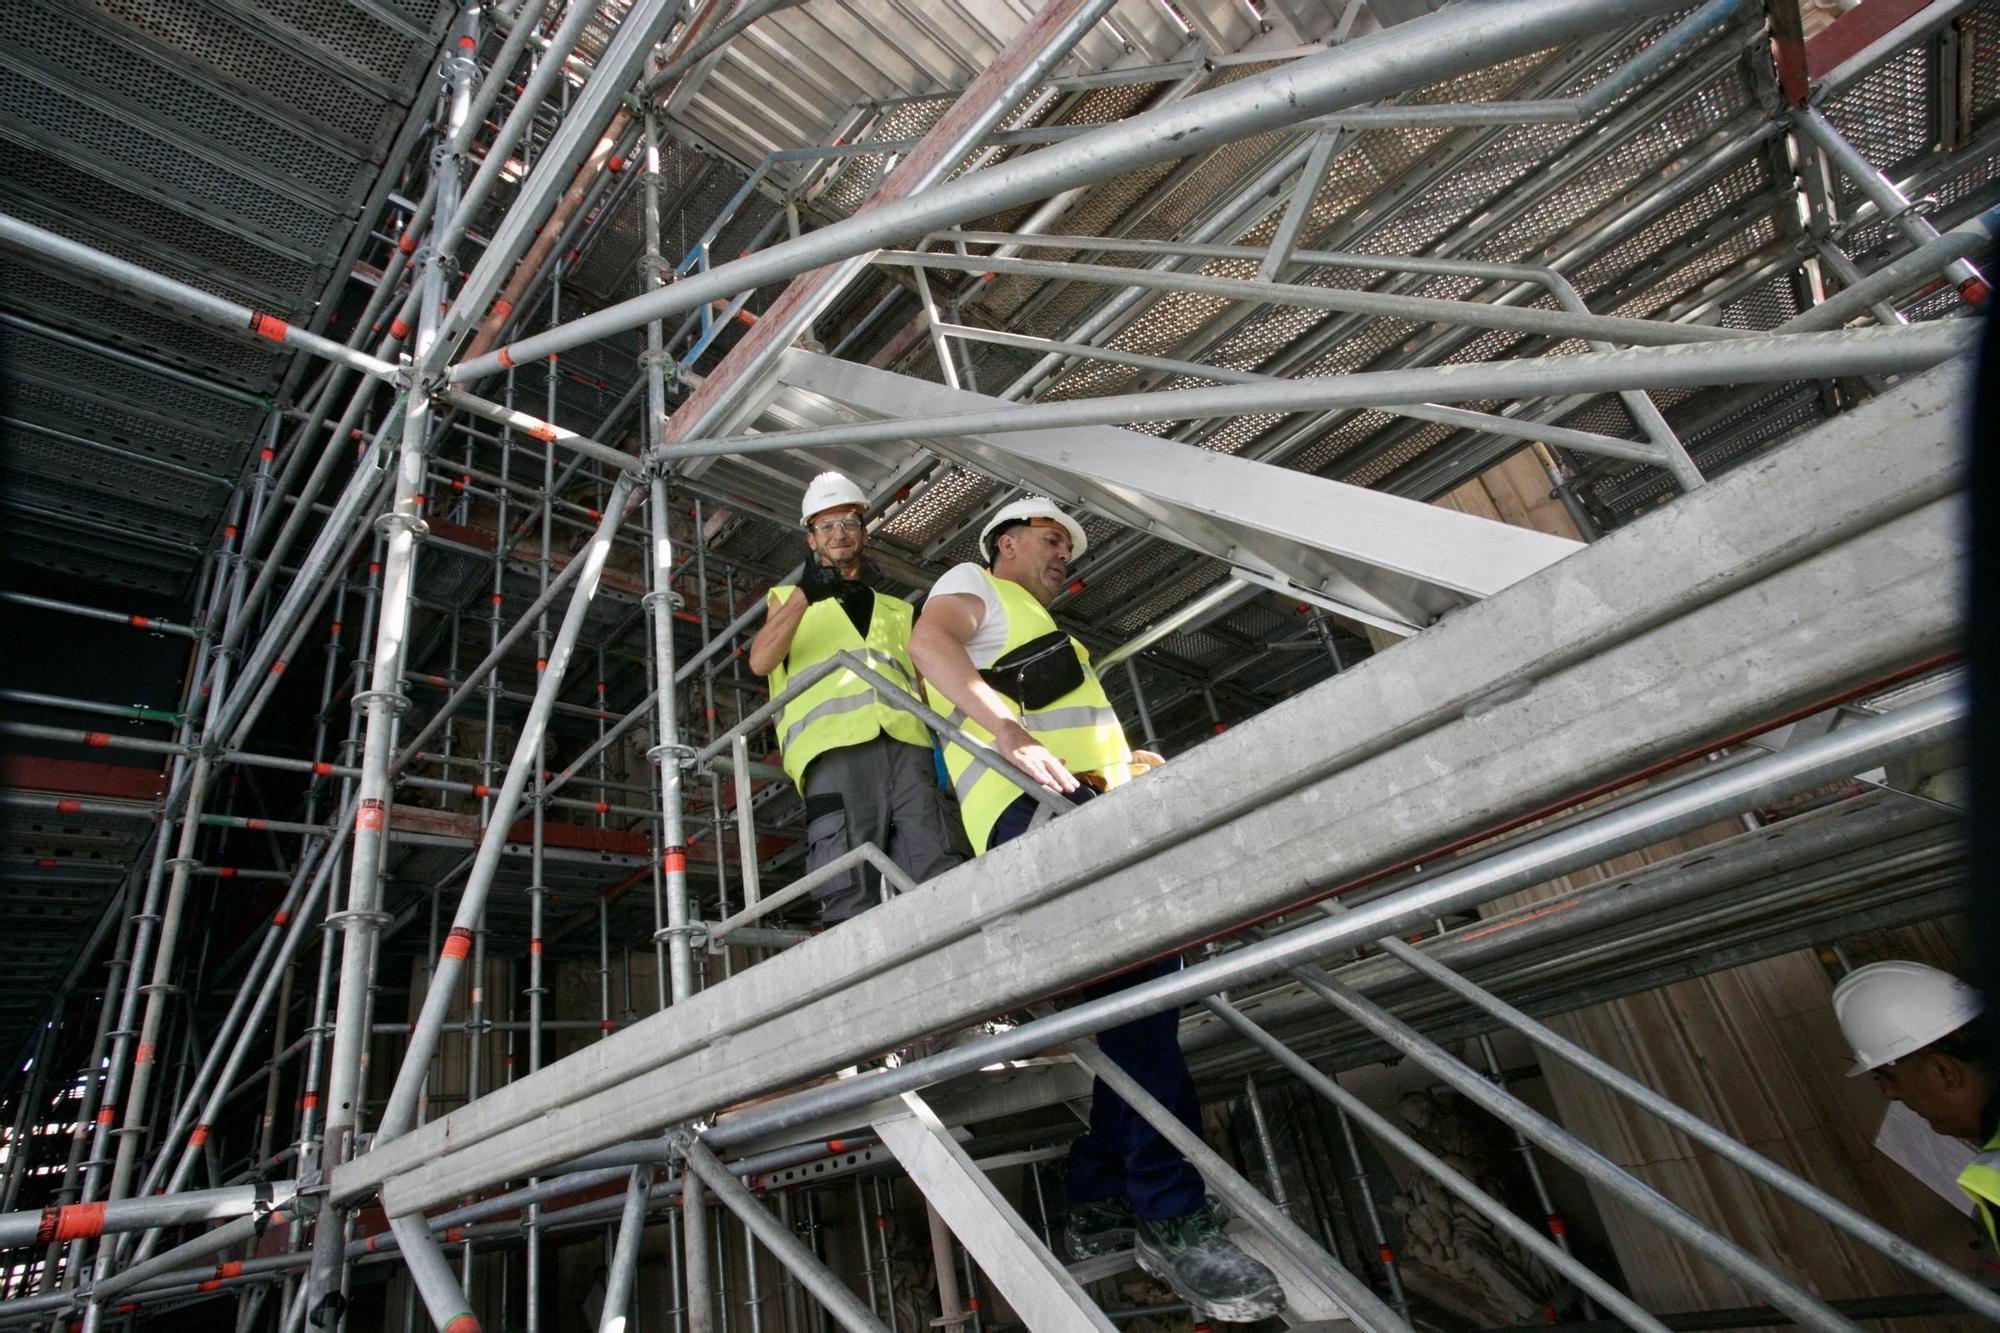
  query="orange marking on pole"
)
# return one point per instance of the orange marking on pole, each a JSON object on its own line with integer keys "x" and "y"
{"x": 502, "y": 309}
{"x": 107, "y": 1115}
{"x": 399, "y": 328}
{"x": 467, "y": 43}
{"x": 266, "y": 455}
{"x": 481, "y": 789}
{"x": 46, "y": 862}
{"x": 309, "y": 1101}
{"x": 542, "y": 430}
{"x": 457, "y": 944}
{"x": 675, "y": 860}
{"x": 225, "y": 872}
{"x": 465, "y": 1323}
{"x": 504, "y": 359}
{"x": 68, "y": 806}
{"x": 278, "y": 668}
{"x": 836, "y": 1145}
{"x": 96, "y": 738}
{"x": 407, "y": 243}
{"x": 268, "y": 326}
{"x": 78, "y": 1221}
{"x": 229, "y": 1268}
{"x": 281, "y": 918}
{"x": 138, "y": 622}
{"x": 198, "y": 1136}
{"x": 322, "y": 768}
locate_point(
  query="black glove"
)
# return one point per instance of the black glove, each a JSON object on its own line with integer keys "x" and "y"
{"x": 820, "y": 582}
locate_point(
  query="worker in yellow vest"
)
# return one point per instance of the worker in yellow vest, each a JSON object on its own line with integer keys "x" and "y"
{"x": 995, "y": 664}
{"x": 1921, "y": 1033}
{"x": 863, "y": 765}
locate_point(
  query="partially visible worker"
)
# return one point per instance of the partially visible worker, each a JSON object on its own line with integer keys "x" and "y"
{"x": 1921, "y": 1033}
{"x": 995, "y": 663}
{"x": 863, "y": 765}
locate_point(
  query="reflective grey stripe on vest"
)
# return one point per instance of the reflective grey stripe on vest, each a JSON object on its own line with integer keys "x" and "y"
{"x": 844, "y": 703}
{"x": 1062, "y": 719}
{"x": 1052, "y": 719}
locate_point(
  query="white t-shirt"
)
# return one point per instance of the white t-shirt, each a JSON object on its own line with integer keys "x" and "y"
{"x": 990, "y": 638}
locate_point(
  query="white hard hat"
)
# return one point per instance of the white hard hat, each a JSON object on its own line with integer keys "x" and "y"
{"x": 829, "y": 490}
{"x": 1030, "y": 507}
{"x": 1888, "y": 1010}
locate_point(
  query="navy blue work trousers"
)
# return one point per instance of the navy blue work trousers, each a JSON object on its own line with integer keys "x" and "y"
{"x": 1121, "y": 1153}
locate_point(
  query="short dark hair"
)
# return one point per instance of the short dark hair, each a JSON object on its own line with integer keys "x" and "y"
{"x": 992, "y": 551}
{"x": 1971, "y": 1044}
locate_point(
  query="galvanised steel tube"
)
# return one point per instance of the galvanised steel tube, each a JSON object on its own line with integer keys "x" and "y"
{"x": 382, "y": 701}
{"x": 625, "y": 1255}
{"x": 190, "y": 300}
{"x": 669, "y": 753}
{"x": 1600, "y": 1170}
{"x": 616, "y": 70}
{"x": 1827, "y": 758}
{"x": 1013, "y": 73}
{"x": 234, "y": 1232}
{"x": 1502, "y": 1217}
{"x": 1892, "y": 203}
{"x": 473, "y": 682}
{"x": 359, "y": 498}
{"x": 1427, "y": 309}
{"x": 443, "y": 1297}
{"x": 152, "y": 623}
{"x": 832, "y": 1293}
{"x": 1684, "y": 36}
{"x": 1362, "y": 1305}
{"x": 292, "y": 923}
{"x": 1568, "y": 438}
{"x": 398, "y": 1116}
{"x": 1753, "y": 360}
{"x": 19, "y": 1229}
{"x": 867, "y": 853}
{"x": 1976, "y": 1297}
{"x": 1898, "y": 275}
{"x": 1408, "y": 55}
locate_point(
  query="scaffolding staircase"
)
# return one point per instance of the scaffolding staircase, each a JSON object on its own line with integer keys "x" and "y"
{"x": 1819, "y": 570}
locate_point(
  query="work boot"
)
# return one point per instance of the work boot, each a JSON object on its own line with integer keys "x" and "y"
{"x": 1190, "y": 1254}
{"x": 1098, "y": 1226}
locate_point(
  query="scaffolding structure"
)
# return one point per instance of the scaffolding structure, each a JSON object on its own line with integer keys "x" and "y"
{"x": 452, "y": 908}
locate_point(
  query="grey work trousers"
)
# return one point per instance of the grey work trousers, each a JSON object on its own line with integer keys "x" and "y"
{"x": 883, "y": 791}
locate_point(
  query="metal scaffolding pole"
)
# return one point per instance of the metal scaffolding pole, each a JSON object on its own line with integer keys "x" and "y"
{"x": 832, "y": 1293}
{"x": 1975, "y": 1297}
{"x": 1750, "y": 360}
{"x": 1409, "y": 55}
{"x": 382, "y": 703}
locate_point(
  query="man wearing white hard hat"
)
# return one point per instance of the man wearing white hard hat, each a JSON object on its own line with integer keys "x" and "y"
{"x": 1919, "y": 1032}
{"x": 995, "y": 663}
{"x": 862, "y": 764}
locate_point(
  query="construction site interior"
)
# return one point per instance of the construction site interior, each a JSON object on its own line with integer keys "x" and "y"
{"x": 1521, "y": 450}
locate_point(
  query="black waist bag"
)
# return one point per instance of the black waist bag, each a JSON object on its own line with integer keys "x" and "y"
{"x": 1038, "y": 673}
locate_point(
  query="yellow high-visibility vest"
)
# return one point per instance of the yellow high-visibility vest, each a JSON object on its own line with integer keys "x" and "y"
{"x": 1981, "y": 1179}
{"x": 842, "y": 709}
{"x": 1080, "y": 728}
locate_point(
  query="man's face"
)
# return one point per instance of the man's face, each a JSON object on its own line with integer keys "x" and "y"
{"x": 1936, "y": 1087}
{"x": 837, "y": 536}
{"x": 1036, "y": 557}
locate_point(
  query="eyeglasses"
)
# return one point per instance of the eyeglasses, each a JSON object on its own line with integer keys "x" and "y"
{"x": 826, "y": 527}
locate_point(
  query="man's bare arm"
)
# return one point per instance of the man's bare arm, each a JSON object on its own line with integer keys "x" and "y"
{"x": 937, "y": 647}
{"x": 770, "y": 644}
